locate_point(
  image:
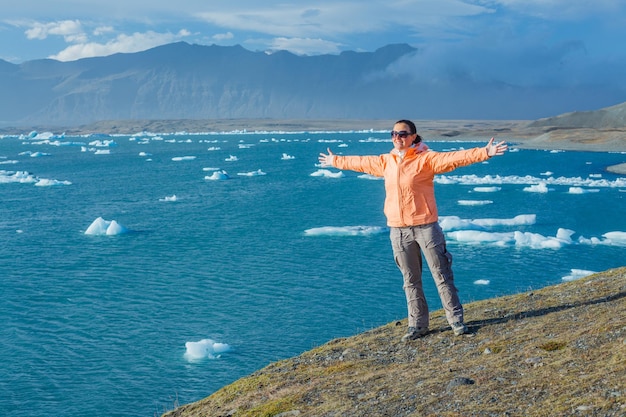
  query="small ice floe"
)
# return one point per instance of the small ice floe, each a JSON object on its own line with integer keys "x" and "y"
{"x": 205, "y": 348}
{"x": 580, "y": 190}
{"x": 252, "y": 173}
{"x": 171, "y": 198}
{"x": 369, "y": 177}
{"x": 327, "y": 173}
{"x": 474, "y": 202}
{"x": 538, "y": 188}
{"x": 577, "y": 274}
{"x": 217, "y": 176}
{"x": 51, "y": 183}
{"x": 487, "y": 189}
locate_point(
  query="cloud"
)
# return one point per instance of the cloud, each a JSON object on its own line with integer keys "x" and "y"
{"x": 122, "y": 43}
{"x": 223, "y": 36}
{"x": 306, "y": 46}
{"x": 71, "y": 30}
{"x": 329, "y": 19}
{"x": 561, "y": 9}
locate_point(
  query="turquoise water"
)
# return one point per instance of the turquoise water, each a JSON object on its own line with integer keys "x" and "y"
{"x": 267, "y": 262}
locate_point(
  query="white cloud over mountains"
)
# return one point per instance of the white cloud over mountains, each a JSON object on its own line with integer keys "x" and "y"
{"x": 542, "y": 44}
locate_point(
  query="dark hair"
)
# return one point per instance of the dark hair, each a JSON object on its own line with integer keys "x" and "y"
{"x": 413, "y": 130}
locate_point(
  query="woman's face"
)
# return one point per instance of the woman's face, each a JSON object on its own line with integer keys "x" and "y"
{"x": 402, "y": 137}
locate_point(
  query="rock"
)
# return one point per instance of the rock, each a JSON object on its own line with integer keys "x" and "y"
{"x": 458, "y": 381}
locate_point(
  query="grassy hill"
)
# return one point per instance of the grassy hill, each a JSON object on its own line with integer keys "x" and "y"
{"x": 557, "y": 351}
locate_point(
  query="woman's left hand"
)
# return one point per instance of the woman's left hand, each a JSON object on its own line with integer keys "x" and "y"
{"x": 494, "y": 149}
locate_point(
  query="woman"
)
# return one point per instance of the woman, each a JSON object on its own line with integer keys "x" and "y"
{"x": 411, "y": 211}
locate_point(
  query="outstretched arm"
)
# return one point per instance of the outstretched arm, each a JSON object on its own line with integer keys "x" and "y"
{"x": 495, "y": 149}
{"x": 326, "y": 160}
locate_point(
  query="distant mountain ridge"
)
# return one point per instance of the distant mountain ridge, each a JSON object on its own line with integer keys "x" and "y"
{"x": 183, "y": 81}
{"x": 197, "y": 82}
{"x": 613, "y": 117}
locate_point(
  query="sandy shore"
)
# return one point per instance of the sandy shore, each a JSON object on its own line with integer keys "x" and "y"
{"x": 518, "y": 133}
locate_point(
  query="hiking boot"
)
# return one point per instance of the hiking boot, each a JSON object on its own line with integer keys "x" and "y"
{"x": 415, "y": 333}
{"x": 459, "y": 328}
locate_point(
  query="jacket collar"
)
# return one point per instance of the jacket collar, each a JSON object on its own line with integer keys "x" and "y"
{"x": 413, "y": 150}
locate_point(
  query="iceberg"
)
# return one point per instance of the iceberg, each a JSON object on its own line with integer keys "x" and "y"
{"x": 105, "y": 227}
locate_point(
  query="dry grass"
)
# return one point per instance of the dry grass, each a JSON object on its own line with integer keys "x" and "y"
{"x": 558, "y": 351}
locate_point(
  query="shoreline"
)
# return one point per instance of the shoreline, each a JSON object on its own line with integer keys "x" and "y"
{"x": 519, "y": 133}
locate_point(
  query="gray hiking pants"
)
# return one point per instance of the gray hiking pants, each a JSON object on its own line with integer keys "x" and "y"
{"x": 408, "y": 244}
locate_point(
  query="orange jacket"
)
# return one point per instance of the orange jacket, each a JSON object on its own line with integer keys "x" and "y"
{"x": 409, "y": 187}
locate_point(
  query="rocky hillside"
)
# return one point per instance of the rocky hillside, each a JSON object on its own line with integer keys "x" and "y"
{"x": 557, "y": 351}
{"x": 613, "y": 117}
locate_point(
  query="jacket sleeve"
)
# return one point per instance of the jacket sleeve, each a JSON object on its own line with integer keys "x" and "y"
{"x": 370, "y": 164}
{"x": 441, "y": 162}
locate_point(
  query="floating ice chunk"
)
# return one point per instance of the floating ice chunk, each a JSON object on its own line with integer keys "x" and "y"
{"x": 50, "y": 183}
{"x": 103, "y": 143}
{"x": 286, "y": 157}
{"x": 105, "y": 227}
{"x": 183, "y": 158}
{"x": 537, "y": 241}
{"x": 19, "y": 177}
{"x": 477, "y": 237}
{"x": 231, "y": 158}
{"x": 217, "y": 175}
{"x": 538, "y": 188}
{"x": 327, "y": 173}
{"x": 547, "y": 173}
{"x": 370, "y": 177}
{"x": 580, "y": 190}
{"x": 345, "y": 231}
{"x": 449, "y": 223}
{"x": 205, "y": 348}
{"x": 102, "y": 152}
{"x": 487, "y": 189}
{"x": 577, "y": 274}
{"x": 144, "y": 154}
{"x": 474, "y": 202}
{"x": 252, "y": 174}
{"x": 171, "y": 198}
{"x": 617, "y": 238}
{"x": 519, "y": 220}
{"x": 34, "y": 154}
{"x": 482, "y": 282}
{"x": 519, "y": 239}
{"x": 213, "y": 148}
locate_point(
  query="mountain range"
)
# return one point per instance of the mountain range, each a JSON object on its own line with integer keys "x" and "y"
{"x": 197, "y": 82}
{"x": 183, "y": 81}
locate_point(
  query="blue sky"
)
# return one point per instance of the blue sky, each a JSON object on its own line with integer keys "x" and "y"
{"x": 565, "y": 48}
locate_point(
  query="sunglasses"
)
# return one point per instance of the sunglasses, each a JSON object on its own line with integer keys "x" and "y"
{"x": 403, "y": 134}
